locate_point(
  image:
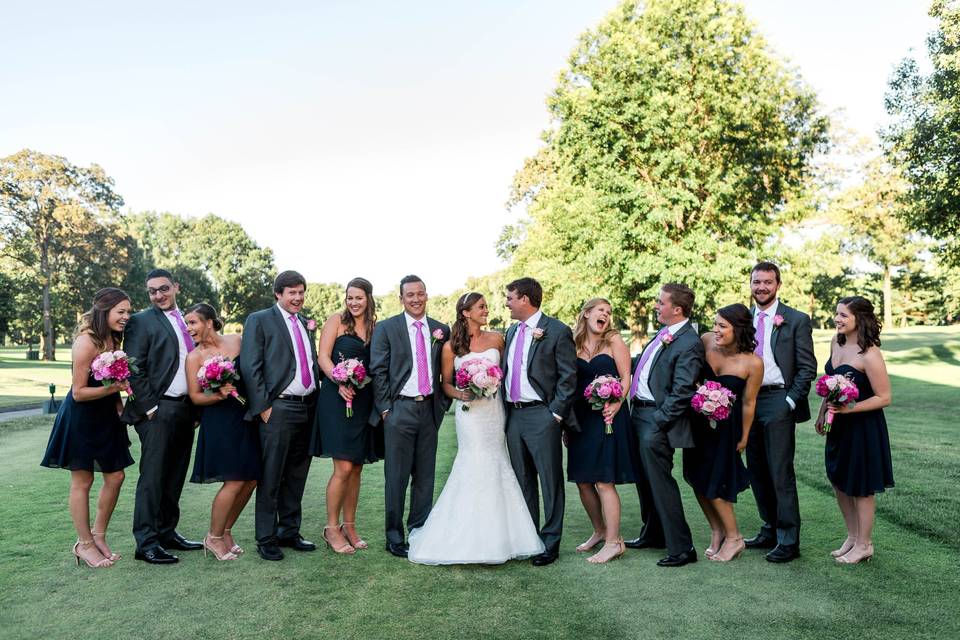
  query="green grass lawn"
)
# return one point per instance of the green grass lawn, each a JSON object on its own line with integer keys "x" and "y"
{"x": 25, "y": 382}
{"x": 908, "y": 591}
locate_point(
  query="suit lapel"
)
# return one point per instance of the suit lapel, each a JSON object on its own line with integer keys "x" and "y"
{"x": 281, "y": 327}
{"x": 664, "y": 347}
{"x": 775, "y": 331}
{"x": 403, "y": 337}
{"x": 165, "y": 323}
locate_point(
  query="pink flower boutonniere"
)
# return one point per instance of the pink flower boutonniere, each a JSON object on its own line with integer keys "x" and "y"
{"x": 777, "y": 320}
{"x": 666, "y": 339}
{"x": 437, "y": 335}
{"x": 311, "y": 325}
{"x": 538, "y": 333}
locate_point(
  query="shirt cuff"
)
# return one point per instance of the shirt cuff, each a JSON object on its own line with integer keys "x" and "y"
{"x": 559, "y": 419}
{"x": 152, "y": 411}
{"x": 793, "y": 405}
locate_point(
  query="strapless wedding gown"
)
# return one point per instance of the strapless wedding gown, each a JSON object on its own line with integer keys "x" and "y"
{"x": 480, "y": 516}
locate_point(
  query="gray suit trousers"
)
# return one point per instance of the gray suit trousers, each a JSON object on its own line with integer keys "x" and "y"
{"x": 285, "y": 463}
{"x": 410, "y": 442}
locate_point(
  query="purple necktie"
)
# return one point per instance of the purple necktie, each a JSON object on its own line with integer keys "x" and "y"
{"x": 517, "y": 365}
{"x": 643, "y": 359}
{"x": 423, "y": 376}
{"x": 305, "y": 378}
{"x": 187, "y": 340}
{"x": 761, "y": 326}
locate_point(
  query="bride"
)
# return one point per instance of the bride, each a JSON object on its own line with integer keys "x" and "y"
{"x": 480, "y": 516}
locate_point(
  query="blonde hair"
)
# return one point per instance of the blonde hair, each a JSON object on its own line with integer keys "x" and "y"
{"x": 580, "y": 329}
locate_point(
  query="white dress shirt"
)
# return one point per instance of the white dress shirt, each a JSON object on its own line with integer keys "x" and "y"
{"x": 178, "y": 386}
{"x": 296, "y": 388}
{"x": 771, "y": 372}
{"x": 527, "y": 392}
{"x": 411, "y": 387}
{"x": 643, "y": 386}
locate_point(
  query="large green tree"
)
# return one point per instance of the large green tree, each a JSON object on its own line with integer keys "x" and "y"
{"x": 677, "y": 139}
{"x": 59, "y": 222}
{"x": 924, "y": 138}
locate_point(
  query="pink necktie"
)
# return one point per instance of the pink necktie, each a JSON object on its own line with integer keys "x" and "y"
{"x": 423, "y": 376}
{"x": 643, "y": 359}
{"x": 187, "y": 340}
{"x": 517, "y": 364}
{"x": 761, "y": 326}
{"x": 305, "y": 377}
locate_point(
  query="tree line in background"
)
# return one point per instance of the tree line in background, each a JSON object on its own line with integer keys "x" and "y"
{"x": 681, "y": 148}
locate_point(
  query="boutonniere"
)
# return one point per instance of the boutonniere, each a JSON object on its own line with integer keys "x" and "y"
{"x": 538, "y": 333}
{"x": 437, "y": 336}
{"x": 666, "y": 339}
{"x": 777, "y": 320}
{"x": 311, "y": 325}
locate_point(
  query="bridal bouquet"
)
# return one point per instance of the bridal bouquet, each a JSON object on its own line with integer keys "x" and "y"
{"x": 113, "y": 366}
{"x": 713, "y": 400}
{"x": 602, "y": 390}
{"x": 350, "y": 372}
{"x": 217, "y": 372}
{"x": 480, "y": 377}
{"x": 837, "y": 390}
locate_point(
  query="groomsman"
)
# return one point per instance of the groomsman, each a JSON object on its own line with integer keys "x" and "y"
{"x": 664, "y": 380}
{"x": 540, "y": 378}
{"x": 162, "y": 416}
{"x": 278, "y": 363}
{"x": 405, "y": 365}
{"x": 785, "y": 342}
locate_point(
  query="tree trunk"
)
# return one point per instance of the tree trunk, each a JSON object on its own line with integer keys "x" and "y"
{"x": 48, "y": 339}
{"x": 638, "y": 327}
{"x": 887, "y": 296}
{"x": 812, "y": 309}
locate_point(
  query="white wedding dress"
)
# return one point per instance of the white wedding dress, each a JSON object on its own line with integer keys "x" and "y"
{"x": 480, "y": 516}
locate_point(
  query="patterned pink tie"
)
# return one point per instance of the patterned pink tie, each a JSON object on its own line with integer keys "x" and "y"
{"x": 761, "y": 326}
{"x": 423, "y": 376}
{"x": 517, "y": 365}
{"x": 305, "y": 377}
{"x": 643, "y": 359}
{"x": 187, "y": 340}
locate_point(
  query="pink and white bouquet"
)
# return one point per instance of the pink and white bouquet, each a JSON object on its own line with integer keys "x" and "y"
{"x": 217, "y": 372}
{"x": 350, "y": 372}
{"x": 602, "y": 391}
{"x": 838, "y": 390}
{"x": 480, "y": 377}
{"x": 113, "y": 366}
{"x": 713, "y": 400}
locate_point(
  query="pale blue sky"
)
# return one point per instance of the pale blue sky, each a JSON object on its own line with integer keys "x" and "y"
{"x": 356, "y": 138}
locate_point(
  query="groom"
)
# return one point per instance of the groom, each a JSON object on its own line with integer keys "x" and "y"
{"x": 405, "y": 366}
{"x": 540, "y": 378}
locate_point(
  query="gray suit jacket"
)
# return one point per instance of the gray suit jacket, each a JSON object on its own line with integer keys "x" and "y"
{"x": 267, "y": 362}
{"x": 673, "y": 379}
{"x": 551, "y": 368}
{"x": 792, "y": 345}
{"x": 149, "y": 337}
{"x": 391, "y": 362}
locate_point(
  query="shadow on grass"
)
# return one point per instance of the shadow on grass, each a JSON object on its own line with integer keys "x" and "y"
{"x": 945, "y": 354}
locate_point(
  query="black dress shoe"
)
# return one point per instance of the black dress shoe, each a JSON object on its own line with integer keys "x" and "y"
{"x": 269, "y": 551}
{"x": 545, "y": 558}
{"x": 642, "y": 543}
{"x": 155, "y": 555}
{"x": 297, "y": 543}
{"x": 181, "y": 543}
{"x": 784, "y": 553}
{"x": 760, "y": 541}
{"x": 398, "y": 549}
{"x": 678, "y": 560}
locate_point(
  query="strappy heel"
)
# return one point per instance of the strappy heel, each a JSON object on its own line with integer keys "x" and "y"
{"x": 359, "y": 543}
{"x": 866, "y": 558}
{"x": 618, "y": 544}
{"x": 590, "y": 544}
{"x": 345, "y": 548}
{"x": 836, "y": 553}
{"x": 237, "y": 549}
{"x": 103, "y": 563}
{"x": 113, "y": 556}
{"x": 716, "y": 556}
{"x": 227, "y": 555}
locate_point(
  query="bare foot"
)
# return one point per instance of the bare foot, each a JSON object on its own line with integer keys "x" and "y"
{"x": 729, "y": 550}
{"x": 90, "y": 554}
{"x": 592, "y": 541}
{"x": 231, "y": 543}
{"x": 846, "y": 546}
{"x": 100, "y": 541}
{"x": 716, "y": 539}
{"x": 608, "y": 552}
{"x": 337, "y": 541}
{"x": 858, "y": 553}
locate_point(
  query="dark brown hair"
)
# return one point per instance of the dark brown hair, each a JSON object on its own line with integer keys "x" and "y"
{"x": 528, "y": 287}
{"x": 95, "y": 322}
{"x": 459, "y": 333}
{"x": 410, "y": 280}
{"x": 369, "y": 314}
{"x": 766, "y": 266}
{"x": 681, "y": 296}
{"x": 288, "y": 279}
{"x": 740, "y": 318}
{"x": 868, "y": 326}
{"x": 207, "y": 312}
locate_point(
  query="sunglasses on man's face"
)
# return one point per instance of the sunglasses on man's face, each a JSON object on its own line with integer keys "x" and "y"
{"x": 161, "y": 289}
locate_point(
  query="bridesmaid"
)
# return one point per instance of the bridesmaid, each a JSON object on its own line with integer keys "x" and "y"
{"x": 349, "y": 441}
{"x": 228, "y": 447}
{"x": 713, "y": 467}
{"x": 598, "y": 461}
{"x": 87, "y": 434}
{"x": 857, "y": 453}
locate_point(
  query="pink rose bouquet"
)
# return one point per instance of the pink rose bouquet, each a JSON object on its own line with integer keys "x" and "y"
{"x": 601, "y": 392}
{"x": 838, "y": 390}
{"x": 480, "y": 377}
{"x": 350, "y": 372}
{"x": 217, "y": 372}
{"x": 713, "y": 400}
{"x": 113, "y": 366}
